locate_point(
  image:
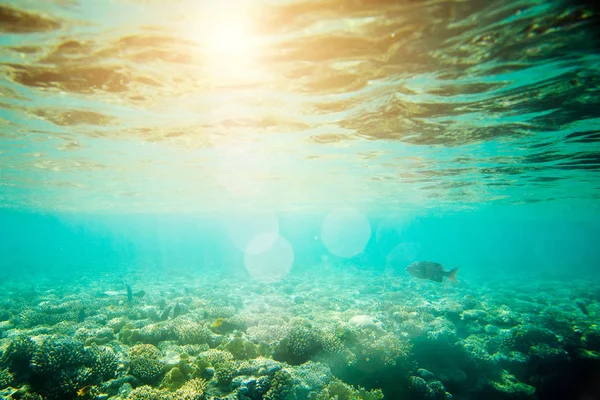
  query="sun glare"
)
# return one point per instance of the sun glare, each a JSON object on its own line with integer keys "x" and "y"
{"x": 228, "y": 41}
{"x": 230, "y": 38}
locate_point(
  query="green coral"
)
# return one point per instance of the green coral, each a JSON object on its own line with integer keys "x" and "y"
{"x": 543, "y": 352}
{"x": 6, "y": 378}
{"x": 310, "y": 378}
{"x": 59, "y": 366}
{"x": 338, "y": 390}
{"x": 431, "y": 390}
{"x": 185, "y": 365}
{"x": 18, "y": 354}
{"x": 282, "y": 386}
{"x": 23, "y": 394}
{"x": 56, "y": 354}
{"x": 225, "y": 373}
{"x": 116, "y": 324}
{"x": 332, "y": 345}
{"x": 510, "y": 386}
{"x": 149, "y": 393}
{"x": 591, "y": 338}
{"x": 100, "y": 337}
{"x": 174, "y": 379}
{"x": 149, "y": 334}
{"x": 192, "y": 390}
{"x": 65, "y": 383}
{"x": 526, "y": 336}
{"x": 194, "y": 349}
{"x": 187, "y": 332}
{"x": 145, "y": 364}
{"x": 241, "y": 349}
{"x": 5, "y": 315}
{"x": 103, "y": 361}
{"x": 220, "y": 312}
{"x": 301, "y": 344}
{"x": 364, "y": 394}
{"x": 223, "y": 363}
{"x": 215, "y": 357}
{"x": 48, "y": 315}
{"x": 374, "y": 352}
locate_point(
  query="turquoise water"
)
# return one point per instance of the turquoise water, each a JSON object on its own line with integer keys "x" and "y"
{"x": 220, "y": 200}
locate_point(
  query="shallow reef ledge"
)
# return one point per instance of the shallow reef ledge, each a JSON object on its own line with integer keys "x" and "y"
{"x": 361, "y": 335}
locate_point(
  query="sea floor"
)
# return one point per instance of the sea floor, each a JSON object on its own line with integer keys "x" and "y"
{"x": 325, "y": 333}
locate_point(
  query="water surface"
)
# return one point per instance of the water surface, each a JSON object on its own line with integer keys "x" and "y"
{"x": 196, "y": 106}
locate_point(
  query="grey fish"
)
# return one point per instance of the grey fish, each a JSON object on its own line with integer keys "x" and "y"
{"x": 129, "y": 294}
{"x": 179, "y": 309}
{"x": 165, "y": 314}
{"x": 431, "y": 271}
{"x": 582, "y": 307}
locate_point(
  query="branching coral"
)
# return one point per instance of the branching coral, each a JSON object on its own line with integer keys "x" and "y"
{"x": 187, "y": 332}
{"x": 6, "y": 378}
{"x": 144, "y": 363}
{"x": 432, "y": 390}
{"x": 282, "y": 387}
{"x": 103, "y": 361}
{"x": 240, "y": 348}
{"x": 338, "y": 390}
{"x": 222, "y": 362}
{"x": 18, "y": 353}
{"x": 149, "y": 393}
{"x": 301, "y": 344}
{"x": 56, "y": 354}
{"x": 192, "y": 390}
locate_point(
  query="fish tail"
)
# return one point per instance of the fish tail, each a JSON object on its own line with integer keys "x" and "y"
{"x": 452, "y": 274}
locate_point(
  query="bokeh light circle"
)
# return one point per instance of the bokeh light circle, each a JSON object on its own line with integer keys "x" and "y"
{"x": 401, "y": 256}
{"x": 244, "y": 228}
{"x": 269, "y": 263}
{"x": 345, "y": 232}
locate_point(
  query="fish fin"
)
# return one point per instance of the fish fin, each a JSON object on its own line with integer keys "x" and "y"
{"x": 452, "y": 274}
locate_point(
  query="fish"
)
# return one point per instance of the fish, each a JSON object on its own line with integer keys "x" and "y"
{"x": 582, "y": 307}
{"x": 129, "y": 294}
{"x": 165, "y": 314}
{"x": 218, "y": 322}
{"x": 84, "y": 390}
{"x": 179, "y": 309}
{"x": 431, "y": 271}
{"x": 81, "y": 315}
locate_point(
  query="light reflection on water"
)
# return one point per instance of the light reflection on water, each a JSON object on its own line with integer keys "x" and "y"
{"x": 187, "y": 106}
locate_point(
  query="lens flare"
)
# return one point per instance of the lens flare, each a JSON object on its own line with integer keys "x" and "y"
{"x": 269, "y": 264}
{"x": 345, "y": 232}
{"x": 245, "y": 228}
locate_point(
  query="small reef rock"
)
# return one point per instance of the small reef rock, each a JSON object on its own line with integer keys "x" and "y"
{"x": 366, "y": 322}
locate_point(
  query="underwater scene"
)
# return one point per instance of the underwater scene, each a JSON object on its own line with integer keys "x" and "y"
{"x": 299, "y": 199}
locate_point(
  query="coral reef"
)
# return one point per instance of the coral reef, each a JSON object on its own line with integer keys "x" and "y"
{"x": 303, "y": 341}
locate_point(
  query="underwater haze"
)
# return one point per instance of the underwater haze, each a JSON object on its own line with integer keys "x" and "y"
{"x": 299, "y": 200}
